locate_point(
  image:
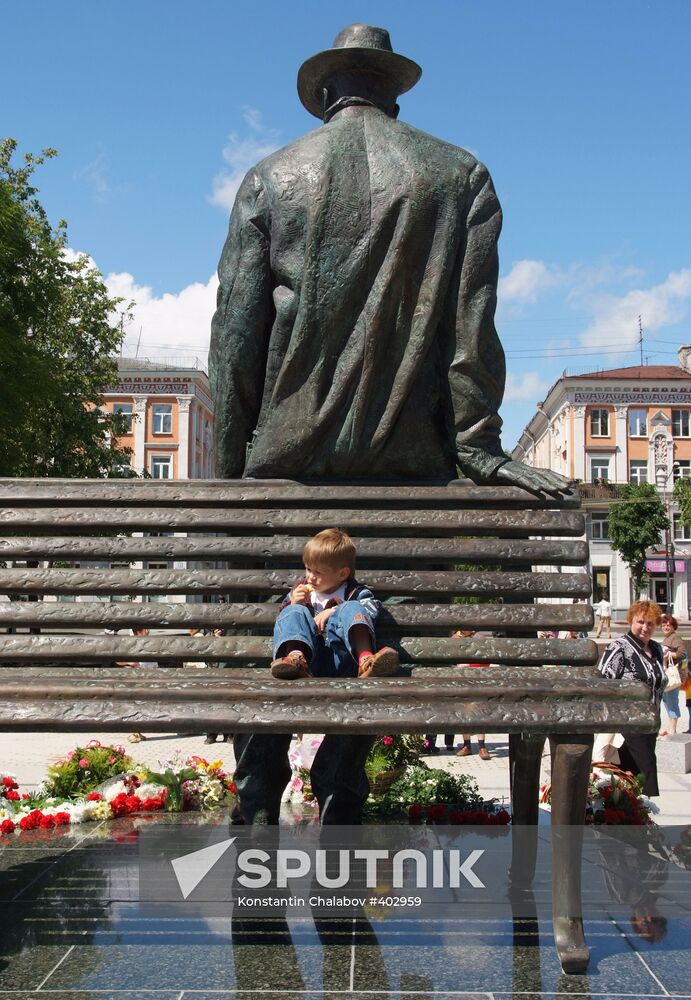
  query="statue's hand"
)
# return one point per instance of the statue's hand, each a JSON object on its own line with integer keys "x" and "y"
{"x": 537, "y": 480}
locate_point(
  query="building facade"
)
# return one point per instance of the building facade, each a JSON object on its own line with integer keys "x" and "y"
{"x": 170, "y": 414}
{"x": 625, "y": 425}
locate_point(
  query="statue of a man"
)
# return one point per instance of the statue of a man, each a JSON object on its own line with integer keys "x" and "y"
{"x": 354, "y": 336}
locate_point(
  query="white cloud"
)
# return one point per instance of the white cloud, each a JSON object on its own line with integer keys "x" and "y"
{"x": 529, "y": 386}
{"x": 172, "y": 325}
{"x": 241, "y": 153}
{"x": 526, "y": 280}
{"x": 616, "y": 317}
{"x": 96, "y": 176}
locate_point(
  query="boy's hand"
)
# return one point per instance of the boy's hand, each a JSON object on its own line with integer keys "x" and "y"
{"x": 322, "y": 618}
{"x": 301, "y": 594}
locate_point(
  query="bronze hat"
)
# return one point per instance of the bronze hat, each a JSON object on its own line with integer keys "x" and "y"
{"x": 359, "y": 46}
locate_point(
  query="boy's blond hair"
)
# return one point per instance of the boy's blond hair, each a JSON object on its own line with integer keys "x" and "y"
{"x": 331, "y": 547}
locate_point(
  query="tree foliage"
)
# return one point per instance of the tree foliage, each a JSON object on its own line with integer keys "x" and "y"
{"x": 636, "y": 523}
{"x": 58, "y": 341}
{"x": 682, "y": 495}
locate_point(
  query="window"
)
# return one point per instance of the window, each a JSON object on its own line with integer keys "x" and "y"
{"x": 680, "y": 424}
{"x": 599, "y": 423}
{"x": 163, "y": 418}
{"x": 122, "y": 470}
{"x": 681, "y": 470}
{"x": 68, "y": 598}
{"x": 125, "y": 411}
{"x": 162, "y": 467}
{"x": 638, "y": 471}
{"x": 599, "y": 527}
{"x": 156, "y": 598}
{"x": 682, "y": 532}
{"x": 599, "y": 469}
{"x": 120, "y": 597}
{"x": 638, "y": 423}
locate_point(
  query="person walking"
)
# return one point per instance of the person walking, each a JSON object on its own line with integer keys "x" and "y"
{"x": 604, "y": 610}
{"x": 675, "y": 649}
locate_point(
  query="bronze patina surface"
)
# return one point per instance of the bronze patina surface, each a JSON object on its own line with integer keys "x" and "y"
{"x": 354, "y": 337}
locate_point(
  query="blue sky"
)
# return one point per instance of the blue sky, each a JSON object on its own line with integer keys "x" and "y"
{"x": 580, "y": 111}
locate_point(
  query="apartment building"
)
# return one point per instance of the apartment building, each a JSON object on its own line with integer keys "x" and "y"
{"x": 170, "y": 415}
{"x": 624, "y": 425}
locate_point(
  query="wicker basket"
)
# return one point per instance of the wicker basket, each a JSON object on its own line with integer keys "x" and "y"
{"x": 382, "y": 782}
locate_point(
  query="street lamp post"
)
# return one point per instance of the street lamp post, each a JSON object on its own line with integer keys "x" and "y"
{"x": 662, "y": 484}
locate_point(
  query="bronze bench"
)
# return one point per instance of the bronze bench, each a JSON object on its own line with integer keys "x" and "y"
{"x": 242, "y": 541}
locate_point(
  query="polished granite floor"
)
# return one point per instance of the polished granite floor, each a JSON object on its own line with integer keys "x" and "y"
{"x": 71, "y": 923}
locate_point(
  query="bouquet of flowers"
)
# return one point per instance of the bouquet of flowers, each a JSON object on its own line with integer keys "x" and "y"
{"x": 388, "y": 759}
{"x": 85, "y": 768}
{"x": 615, "y": 797}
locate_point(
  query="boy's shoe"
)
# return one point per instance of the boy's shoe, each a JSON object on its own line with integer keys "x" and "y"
{"x": 484, "y": 754}
{"x": 292, "y": 667}
{"x": 385, "y": 663}
{"x": 464, "y": 751}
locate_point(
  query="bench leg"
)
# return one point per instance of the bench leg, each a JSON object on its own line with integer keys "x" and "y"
{"x": 571, "y": 760}
{"x": 525, "y": 755}
{"x": 338, "y": 778}
{"x": 261, "y": 774}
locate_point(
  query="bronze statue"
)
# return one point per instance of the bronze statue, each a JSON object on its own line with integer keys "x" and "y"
{"x": 354, "y": 337}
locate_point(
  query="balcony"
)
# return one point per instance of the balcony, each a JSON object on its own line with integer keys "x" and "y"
{"x": 600, "y": 490}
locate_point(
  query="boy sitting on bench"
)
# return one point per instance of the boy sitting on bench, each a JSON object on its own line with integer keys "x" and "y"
{"x": 326, "y": 625}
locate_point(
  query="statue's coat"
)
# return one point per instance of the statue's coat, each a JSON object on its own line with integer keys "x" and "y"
{"x": 354, "y": 336}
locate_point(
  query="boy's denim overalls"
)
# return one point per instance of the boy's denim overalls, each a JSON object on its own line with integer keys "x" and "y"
{"x": 331, "y": 651}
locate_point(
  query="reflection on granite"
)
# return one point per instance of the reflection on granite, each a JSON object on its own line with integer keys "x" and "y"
{"x": 670, "y": 958}
{"x": 494, "y": 959}
{"x": 70, "y": 920}
{"x": 100, "y": 995}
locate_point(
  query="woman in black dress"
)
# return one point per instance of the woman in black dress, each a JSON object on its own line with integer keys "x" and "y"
{"x": 638, "y": 656}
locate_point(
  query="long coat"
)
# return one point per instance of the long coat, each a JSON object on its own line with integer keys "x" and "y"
{"x": 354, "y": 336}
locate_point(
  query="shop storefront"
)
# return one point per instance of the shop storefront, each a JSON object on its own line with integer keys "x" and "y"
{"x": 660, "y": 581}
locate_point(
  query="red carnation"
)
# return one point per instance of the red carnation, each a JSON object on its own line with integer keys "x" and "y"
{"x": 10, "y": 783}
{"x": 31, "y": 821}
{"x": 436, "y": 813}
{"x": 415, "y": 812}
{"x": 12, "y": 796}
{"x": 7, "y": 826}
{"x": 94, "y": 797}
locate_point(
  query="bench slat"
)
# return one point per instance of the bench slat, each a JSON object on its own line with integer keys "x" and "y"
{"x": 90, "y": 648}
{"x": 549, "y": 700}
{"x": 488, "y": 550}
{"x": 220, "y": 581}
{"x": 500, "y": 523}
{"x": 437, "y": 617}
{"x": 193, "y": 493}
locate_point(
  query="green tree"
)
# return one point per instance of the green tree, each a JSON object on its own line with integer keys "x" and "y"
{"x": 637, "y": 522}
{"x": 59, "y": 336}
{"x": 682, "y": 495}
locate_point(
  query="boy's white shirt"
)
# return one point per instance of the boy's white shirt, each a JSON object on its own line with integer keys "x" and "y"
{"x": 319, "y": 601}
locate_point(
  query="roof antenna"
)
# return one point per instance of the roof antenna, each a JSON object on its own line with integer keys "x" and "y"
{"x": 640, "y": 338}
{"x": 136, "y": 353}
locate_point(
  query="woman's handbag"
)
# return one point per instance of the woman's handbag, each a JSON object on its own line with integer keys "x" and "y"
{"x": 673, "y": 675}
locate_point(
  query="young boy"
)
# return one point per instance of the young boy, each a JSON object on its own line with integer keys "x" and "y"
{"x": 325, "y": 627}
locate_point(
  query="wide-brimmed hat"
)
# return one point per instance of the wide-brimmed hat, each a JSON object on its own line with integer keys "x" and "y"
{"x": 359, "y": 46}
